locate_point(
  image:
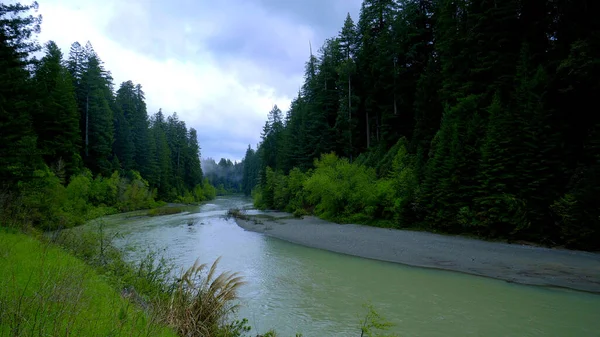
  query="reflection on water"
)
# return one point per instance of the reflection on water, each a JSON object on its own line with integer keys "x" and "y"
{"x": 297, "y": 289}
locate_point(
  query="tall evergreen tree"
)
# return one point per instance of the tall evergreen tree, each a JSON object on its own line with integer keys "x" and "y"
{"x": 56, "y": 119}
{"x": 345, "y": 119}
{"x": 250, "y": 171}
{"x": 193, "y": 169}
{"x": 18, "y": 153}
{"x": 176, "y": 133}
{"x": 376, "y": 66}
{"x": 163, "y": 156}
{"x": 125, "y": 147}
{"x": 140, "y": 134}
{"x": 98, "y": 116}
{"x": 271, "y": 137}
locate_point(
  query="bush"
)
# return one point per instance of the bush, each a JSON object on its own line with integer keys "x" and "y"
{"x": 135, "y": 194}
{"x": 340, "y": 190}
{"x": 208, "y": 190}
{"x": 105, "y": 191}
{"x": 42, "y": 202}
{"x": 237, "y": 213}
{"x": 164, "y": 211}
{"x": 347, "y": 192}
{"x": 258, "y": 199}
{"x": 295, "y": 184}
{"x": 186, "y": 198}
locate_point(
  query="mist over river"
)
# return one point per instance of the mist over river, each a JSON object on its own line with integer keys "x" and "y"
{"x": 296, "y": 289}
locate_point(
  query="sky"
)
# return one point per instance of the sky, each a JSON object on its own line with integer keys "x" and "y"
{"x": 220, "y": 64}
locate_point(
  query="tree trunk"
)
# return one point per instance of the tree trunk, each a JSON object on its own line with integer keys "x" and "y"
{"x": 368, "y": 136}
{"x": 87, "y": 121}
{"x": 349, "y": 114}
{"x": 377, "y": 127}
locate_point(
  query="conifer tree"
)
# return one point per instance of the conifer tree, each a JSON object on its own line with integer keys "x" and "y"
{"x": 55, "y": 118}
{"x": 18, "y": 153}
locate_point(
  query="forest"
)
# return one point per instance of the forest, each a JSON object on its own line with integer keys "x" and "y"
{"x": 225, "y": 176}
{"x": 74, "y": 146}
{"x": 465, "y": 117}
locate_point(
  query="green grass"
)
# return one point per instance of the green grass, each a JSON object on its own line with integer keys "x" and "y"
{"x": 45, "y": 291}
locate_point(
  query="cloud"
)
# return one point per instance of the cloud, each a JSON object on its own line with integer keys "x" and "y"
{"x": 220, "y": 65}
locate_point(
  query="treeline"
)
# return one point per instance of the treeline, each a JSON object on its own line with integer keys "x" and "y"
{"x": 62, "y": 118}
{"x": 453, "y": 116}
{"x": 225, "y": 176}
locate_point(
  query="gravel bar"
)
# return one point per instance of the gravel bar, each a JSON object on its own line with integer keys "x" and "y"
{"x": 510, "y": 262}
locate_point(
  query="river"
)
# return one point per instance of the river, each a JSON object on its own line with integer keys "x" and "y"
{"x": 296, "y": 289}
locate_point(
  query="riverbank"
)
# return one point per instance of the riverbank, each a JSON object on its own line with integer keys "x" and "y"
{"x": 46, "y": 290}
{"x": 510, "y": 262}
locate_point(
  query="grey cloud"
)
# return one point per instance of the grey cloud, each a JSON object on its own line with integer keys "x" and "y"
{"x": 269, "y": 33}
{"x": 273, "y": 36}
{"x": 262, "y": 42}
{"x": 325, "y": 16}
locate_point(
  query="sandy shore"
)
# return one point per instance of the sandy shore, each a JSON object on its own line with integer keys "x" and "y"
{"x": 510, "y": 262}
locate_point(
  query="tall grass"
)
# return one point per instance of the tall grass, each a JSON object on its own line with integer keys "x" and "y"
{"x": 195, "y": 302}
{"x": 77, "y": 283}
{"x": 203, "y": 302}
{"x": 44, "y": 291}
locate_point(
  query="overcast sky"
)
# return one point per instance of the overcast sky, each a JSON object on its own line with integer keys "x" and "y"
{"x": 220, "y": 64}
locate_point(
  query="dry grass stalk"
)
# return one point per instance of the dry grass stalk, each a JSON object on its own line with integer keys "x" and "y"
{"x": 201, "y": 304}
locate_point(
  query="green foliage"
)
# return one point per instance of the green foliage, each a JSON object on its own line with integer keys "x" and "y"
{"x": 493, "y": 120}
{"x": 45, "y": 203}
{"x": 164, "y": 211}
{"x": 374, "y": 325}
{"x": 208, "y": 191}
{"x": 295, "y": 193}
{"x": 258, "y": 199}
{"x": 489, "y": 100}
{"x": 341, "y": 191}
{"x": 134, "y": 194}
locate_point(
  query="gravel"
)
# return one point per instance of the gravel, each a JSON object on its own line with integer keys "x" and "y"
{"x": 510, "y": 262}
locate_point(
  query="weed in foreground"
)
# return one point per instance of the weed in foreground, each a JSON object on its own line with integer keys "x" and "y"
{"x": 203, "y": 302}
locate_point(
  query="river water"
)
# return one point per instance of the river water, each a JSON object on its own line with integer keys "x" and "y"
{"x": 296, "y": 289}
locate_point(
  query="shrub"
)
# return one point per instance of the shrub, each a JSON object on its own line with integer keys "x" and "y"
{"x": 258, "y": 199}
{"x": 237, "y": 213}
{"x": 375, "y": 325}
{"x": 296, "y": 196}
{"x": 209, "y": 190}
{"x": 42, "y": 202}
{"x": 164, "y": 211}
{"x": 340, "y": 190}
